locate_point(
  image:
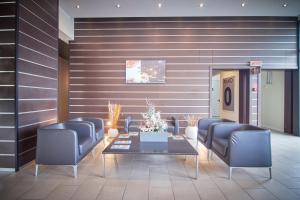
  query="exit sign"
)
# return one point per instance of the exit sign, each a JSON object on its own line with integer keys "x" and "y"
{"x": 256, "y": 63}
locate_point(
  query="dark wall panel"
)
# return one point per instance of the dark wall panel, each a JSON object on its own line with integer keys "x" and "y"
{"x": 7, "y": 83}
{"x": 37, "y": 71}
{"x": 190, "y": 47}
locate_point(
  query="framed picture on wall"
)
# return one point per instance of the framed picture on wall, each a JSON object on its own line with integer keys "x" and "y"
{"x": 145, "y": 71}
{"x": 228, "y": 93}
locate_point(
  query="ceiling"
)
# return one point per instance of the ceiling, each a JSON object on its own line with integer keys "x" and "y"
{"x": 179, "y": 8}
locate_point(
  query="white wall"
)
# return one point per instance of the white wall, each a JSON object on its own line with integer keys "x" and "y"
{"x": 66, "y": 26}
{"x": 215, "y": 97}
{"x": 233, "y": 115}
{"x": 272, "y": 101}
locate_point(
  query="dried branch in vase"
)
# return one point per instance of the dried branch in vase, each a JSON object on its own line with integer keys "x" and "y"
{"x": 192, "y": 120}
{"x": 114, "y": 111}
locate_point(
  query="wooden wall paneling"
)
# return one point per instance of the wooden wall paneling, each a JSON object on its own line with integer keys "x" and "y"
{"x": 7, "y": 84}
{"x": 63, "y": 92}
{"x": 37, "y": 72}
{"x": 189, "y": 45}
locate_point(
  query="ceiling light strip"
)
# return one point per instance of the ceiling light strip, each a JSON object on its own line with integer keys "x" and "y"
{"x": 141, "y": 99}
{"x": 140, "y": 92}
{"x": 183, "y": 49}
{"x": 195, "y": 35}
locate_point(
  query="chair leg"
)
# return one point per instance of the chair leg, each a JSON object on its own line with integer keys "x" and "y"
{"x": 270, "y": 172}
{"x": 230, "y": 173}
{"x": 75, "y": 171}
{"x": 36, "y": 169}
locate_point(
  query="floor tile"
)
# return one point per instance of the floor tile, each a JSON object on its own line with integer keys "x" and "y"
{"x": 64, "y": 192}
{"x": 261, "y": 194}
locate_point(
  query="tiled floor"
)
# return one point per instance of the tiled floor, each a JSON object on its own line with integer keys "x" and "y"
{"x": 161, "y": 177}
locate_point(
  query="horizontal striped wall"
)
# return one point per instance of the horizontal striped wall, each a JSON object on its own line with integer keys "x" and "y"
{"x": 190, "y": 46}
{"x": 37, "y": 71}
{"x": 7, "y": 83}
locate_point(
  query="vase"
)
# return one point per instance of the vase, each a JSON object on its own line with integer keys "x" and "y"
{"x": 154, "y": 136}
{"x": 113, "y": 132}
{"x": 191, "y": 132}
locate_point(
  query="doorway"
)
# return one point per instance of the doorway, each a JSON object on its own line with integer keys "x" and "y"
{"x": 273, "y": 99}
{"x": 230, "y": 94}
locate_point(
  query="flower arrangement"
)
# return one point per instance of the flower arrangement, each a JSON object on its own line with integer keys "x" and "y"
{"x": 114, "y": 111}
{"x": 152, "y": 119}
{"x": 191, "y": 119}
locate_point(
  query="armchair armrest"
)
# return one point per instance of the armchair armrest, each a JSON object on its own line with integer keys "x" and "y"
{"x": 56, "y": 147}
{"x": 205, "y": 122}
{"x": 250, "y": 149}
{"x": 223, "y": 130}
{"x": 83, "y": 128}
{"x": 99, "y": 124}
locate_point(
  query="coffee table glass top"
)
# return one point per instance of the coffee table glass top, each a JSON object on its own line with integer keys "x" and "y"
{"x": 172, "y": 147}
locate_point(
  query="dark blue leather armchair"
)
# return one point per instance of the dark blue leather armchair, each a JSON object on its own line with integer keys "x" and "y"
{"x": 242, "y": 145}
{"x": 63, "y": 144}
{"x": 205, "y": 127}
{"x": 97, "y": 124}
{"x": 129, "y": 125}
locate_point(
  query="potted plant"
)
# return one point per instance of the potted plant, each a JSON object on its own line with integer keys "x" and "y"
{"x": 191, "y": 131}
{"x": 154, "y": 128}
{"x": 113, "y": 116}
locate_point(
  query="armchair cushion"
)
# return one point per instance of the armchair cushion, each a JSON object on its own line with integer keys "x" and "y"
{"x": 221, "y": 145}
{"x": 85, "y": 144}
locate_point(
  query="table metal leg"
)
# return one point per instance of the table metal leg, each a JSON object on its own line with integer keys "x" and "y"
{"x": 197, "y": 167}
{"x": 103, "y": 156}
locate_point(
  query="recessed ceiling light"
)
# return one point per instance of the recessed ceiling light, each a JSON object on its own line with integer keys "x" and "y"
{"x": 77, "y": 6}
{"x": 159, "y": 5}
{"x": 243, "y": 4}
{"x": 118, "y": 5}
{"x": 201, "y": 5}
{"x": 284, "y": 5}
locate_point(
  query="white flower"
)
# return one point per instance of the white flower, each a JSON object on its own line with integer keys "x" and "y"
{"x": 152, "y": 119}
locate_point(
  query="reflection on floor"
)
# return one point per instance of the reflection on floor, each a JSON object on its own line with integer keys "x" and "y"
{"x": 161, "y": 177}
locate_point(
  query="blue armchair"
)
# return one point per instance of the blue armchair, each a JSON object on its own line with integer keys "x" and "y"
{"x": 97, "y": 124}
{"x": 205, "y": 127}
{"x": 63, "y": 144}
{"x": 129, "y": 125}
{"x": 241, "y": 145}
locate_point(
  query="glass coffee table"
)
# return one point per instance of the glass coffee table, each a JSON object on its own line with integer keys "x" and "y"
{"x": 175, "y": 146}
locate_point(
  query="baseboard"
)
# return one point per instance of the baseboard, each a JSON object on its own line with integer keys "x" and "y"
{"x": 7, "y": 169}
